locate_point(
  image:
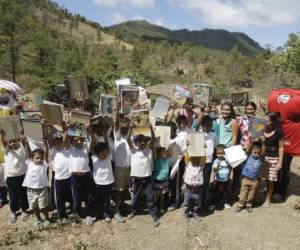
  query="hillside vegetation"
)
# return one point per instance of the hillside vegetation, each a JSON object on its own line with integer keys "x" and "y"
{"x": 42, "y": 43}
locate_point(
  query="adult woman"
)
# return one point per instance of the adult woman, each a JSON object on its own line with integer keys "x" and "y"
{"x": 274, "y": 153}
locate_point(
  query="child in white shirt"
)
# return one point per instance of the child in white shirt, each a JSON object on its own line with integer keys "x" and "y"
{"x": 103, "y": 176}
{"x": 193, "y": 179}
{"x": 82, "y": 180}
{"x": 36, "y": 181}
{"x": 15, "y": 170}
{"x": 141, "y": 173}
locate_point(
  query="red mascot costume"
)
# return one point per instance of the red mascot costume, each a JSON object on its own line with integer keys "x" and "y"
{"x": 287, "y": 103}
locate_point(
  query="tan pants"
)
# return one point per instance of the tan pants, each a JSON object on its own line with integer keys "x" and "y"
{"x": 248, "y": 191}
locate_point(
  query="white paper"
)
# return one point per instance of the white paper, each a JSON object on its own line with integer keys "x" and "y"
{"x": 196, "y": 144}
{"x": 235, "y": 155}
{"x": 161, "y": 107}
{"x": 11, "y": 126}
{"x": 163, "y": 136}
{"x": 106, "y": 105}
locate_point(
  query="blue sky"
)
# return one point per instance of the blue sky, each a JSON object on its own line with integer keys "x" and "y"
{"x": 266, "y": 21}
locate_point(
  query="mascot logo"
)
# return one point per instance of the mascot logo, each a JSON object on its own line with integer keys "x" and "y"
{"x": 283, "y": 98}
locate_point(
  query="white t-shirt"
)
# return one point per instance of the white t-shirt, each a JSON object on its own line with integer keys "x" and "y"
{"x": 193, "y": 175}
{"x": 141, "y": 162}
{"x": 175, "y": 151}
{"x": 181, "y": 139}
{"x": 79, "y": 159}
{"x": 102, "y": 170}
{"x": 211, "y": 142}
{"x": 122, "y": 153}
{"x": 36, "y": 175}
{"x": 60, "y": 162}
{"x": 14, "y": 164}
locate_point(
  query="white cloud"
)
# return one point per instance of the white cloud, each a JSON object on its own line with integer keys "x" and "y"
{"x": 118, "y": 18}
{"x": 134, "y": 3}
{"x": 242, "y": 13}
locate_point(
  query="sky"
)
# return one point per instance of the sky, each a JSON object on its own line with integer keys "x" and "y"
{"x": 266, "y": 21}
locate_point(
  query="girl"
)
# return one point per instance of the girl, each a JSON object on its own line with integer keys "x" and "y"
{"x": 161, "y": 176}
{"x": 193, "y": 179}
{"x": 228, "y": 132}
{"x": 15, "y": 170}
{"x": 103, "y": 176}
{"x": 141, "y": 173}
{"x": 36, "y": 181}
{"x": 274, "y": 153}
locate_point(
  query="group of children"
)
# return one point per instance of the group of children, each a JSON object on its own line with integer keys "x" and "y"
{"x": 110, "y": 162}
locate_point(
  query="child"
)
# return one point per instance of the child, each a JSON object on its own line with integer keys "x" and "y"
{"x": 60, "y": 155}
{"x": 103, "y": 176}
{"x": 193, "y": 179}
{"x": 81, "y": 179}
{"x": 222, "y": 178}
{"x": 250, "y": 174}
{"x": 181, "y": 141}
{"x": 122, "y": 157}
{"x": 141, "y": 173}
{"x": 210, "y": 144}
{"x": 161, "y": 176}
{"x": 15, "y": 170}
{"x": 36, "y": 181}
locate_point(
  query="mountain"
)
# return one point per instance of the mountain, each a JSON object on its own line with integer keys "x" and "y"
{"x": 141, "y": 30}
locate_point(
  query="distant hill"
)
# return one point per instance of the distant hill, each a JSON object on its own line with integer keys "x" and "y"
{"x": 141, "y": 30}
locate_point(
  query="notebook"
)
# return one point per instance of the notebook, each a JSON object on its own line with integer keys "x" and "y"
{"x": 235, "y": 155}
{"x": 196, "y": 144}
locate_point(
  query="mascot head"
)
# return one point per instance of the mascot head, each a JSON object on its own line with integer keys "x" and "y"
{"x": 8, "y": 93}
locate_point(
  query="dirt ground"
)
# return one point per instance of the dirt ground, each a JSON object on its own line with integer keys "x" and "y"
{"x": 277, "y": 227}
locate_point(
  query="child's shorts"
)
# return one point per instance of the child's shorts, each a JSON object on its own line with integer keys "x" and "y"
{"x": 38, "y": 198}
{"x": 122, "y": 178}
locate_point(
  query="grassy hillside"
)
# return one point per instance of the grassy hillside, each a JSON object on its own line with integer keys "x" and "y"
{"x": 142, "y": 30}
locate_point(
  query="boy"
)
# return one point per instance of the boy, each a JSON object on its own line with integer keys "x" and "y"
{"x": 141, "y": 173}
{"x": 222, "y": 171}
{"x": 250, "y": 174}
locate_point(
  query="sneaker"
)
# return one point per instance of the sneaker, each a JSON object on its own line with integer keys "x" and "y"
{"x": 227, "y": 206}
{"x": 277, "y": 197}
{"x": 249, "y": 209}
{"x": 211, "y": 207}
{"x": 46, "y": 223}
{"x": 162, "y": 211}
{"x": 131, "y": 215}
{"x": 238, "y": 209}
{"x": 171, "y": 208}
{"x": 119, "y": 218}
{"x": 12, "y": 218}
{"x": 197, "y": 217}
{"x": 37, "y": 223}
{"x": 186, "y": 218}
{"x": 156, "y": 222}
{"x": 107, "y": 220}
{"x": 25, "y": 216}
{"x": 89, "y": 221}
{"x": 267, "y": 204}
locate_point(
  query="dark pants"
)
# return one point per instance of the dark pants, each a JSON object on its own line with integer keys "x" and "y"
{"x": 192, "y": 200}
{"x": 102, "y": 198}
{"x": 221, "y": 192}
{"x": 236, "y": 177}
{"x": 17, "y": 194}
{"x": 82, "y": 189}
{"x": 144, "y": 185}
{"x": 206, "y": 177}
{"x": 3, "y": 195}
{"x": 175, "y": 186}
{"x": 63, "y": 193}
{"x": 282, "y": 184}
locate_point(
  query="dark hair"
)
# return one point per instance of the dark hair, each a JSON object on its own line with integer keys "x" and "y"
{"x": 159, "y": 149}
{"x": 206, "y": 106}
{"x": 37, "y": 151}
{"x": 100, "y": 147}
{"x": 181, "y": 118}
{"x": 89, "y": 105}
{"x": 256, "y": 144}
{"x": 140, "y": 137}
{"x": 275, "y": 121}
{"x": 206, "y": 121}
{"x": 250, "y": 103}
{"x": 232, "y": 115}
{"x": 220, "y": 147}
{"x": 173, "y": 127}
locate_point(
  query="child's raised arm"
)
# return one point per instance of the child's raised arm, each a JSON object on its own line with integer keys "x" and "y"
{"x": 106, "y": 140}
{"x": 117, "y": 118}
{"x": 46, "y": 152}
{"x": 129, "y": 135}
{"x": 152, "y": 142}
